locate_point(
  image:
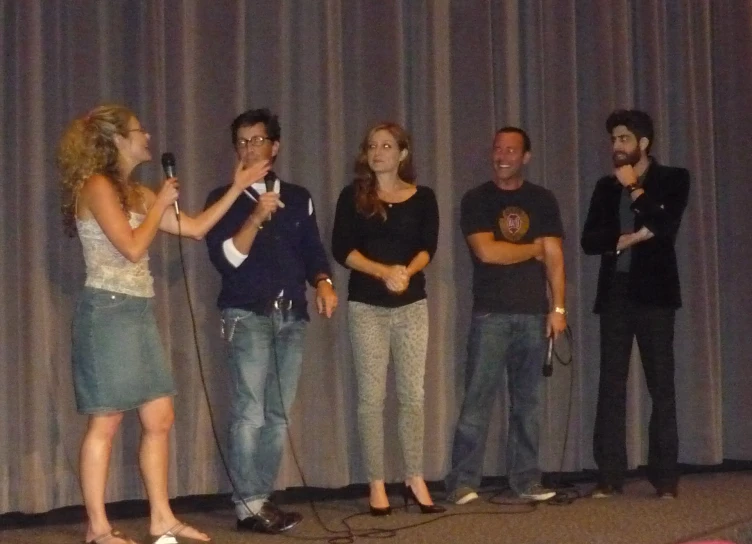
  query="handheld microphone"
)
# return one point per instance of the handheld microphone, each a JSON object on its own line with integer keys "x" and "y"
{"x": 548, "y": 364}
{"x": 168, "y": 165}
{"x": 269, "y": 180}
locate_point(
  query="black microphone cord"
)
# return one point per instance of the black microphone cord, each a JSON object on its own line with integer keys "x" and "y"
{"x": 202, "y": 374}
{"x": 348, "y": 535}
{"x": 553, "y": 356}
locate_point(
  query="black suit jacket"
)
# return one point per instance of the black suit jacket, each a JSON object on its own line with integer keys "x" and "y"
{"x": 653, "y": 274}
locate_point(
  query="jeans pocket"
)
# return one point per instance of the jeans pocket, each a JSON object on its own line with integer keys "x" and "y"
{"x": 230, "y": 319}
{"x": 104, "y": 300}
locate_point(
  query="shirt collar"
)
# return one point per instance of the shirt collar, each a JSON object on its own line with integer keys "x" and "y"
{"x": 260, "y": 186}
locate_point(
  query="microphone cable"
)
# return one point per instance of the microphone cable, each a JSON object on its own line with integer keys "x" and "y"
{"x": 168, "y": 165}
{"x": 194, "y": 330}
{"x": 348, "y": 535}
{"x": 553, "y": 357}
{"x": 345, "y": 536}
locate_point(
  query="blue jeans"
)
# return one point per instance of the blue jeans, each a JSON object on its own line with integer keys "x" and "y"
{"x": 517, "y": 343}
{"x": 258, "y": 414}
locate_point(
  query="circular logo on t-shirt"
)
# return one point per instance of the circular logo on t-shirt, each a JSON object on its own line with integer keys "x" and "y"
{"x": 514, "y": 223}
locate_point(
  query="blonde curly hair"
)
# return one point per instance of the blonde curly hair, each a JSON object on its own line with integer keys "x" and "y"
{"x": 87, "y": 147}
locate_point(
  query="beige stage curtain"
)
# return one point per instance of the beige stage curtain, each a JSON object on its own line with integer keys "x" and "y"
{"x": 452, "y": 72}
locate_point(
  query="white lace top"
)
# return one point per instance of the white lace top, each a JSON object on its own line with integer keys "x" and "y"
{"x": 107, "y": 268}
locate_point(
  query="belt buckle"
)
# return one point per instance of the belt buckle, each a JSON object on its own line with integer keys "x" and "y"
{"x": 283, "y": 305}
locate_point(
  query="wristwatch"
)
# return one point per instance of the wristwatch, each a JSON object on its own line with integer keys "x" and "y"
{"x": 560, "y": 310}
{"x": 327, "y": 280}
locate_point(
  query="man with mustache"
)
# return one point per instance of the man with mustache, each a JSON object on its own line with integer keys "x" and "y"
{"x": 632, "y": 222}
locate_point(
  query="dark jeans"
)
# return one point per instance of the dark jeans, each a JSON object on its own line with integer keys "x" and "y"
{"x": 621, "y": 321}
{"x": 515, "y": 344}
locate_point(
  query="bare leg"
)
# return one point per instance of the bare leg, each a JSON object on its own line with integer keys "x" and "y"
{"x": 96, "y": 449}
{"x": 378, "y": 498}
{"x": 157, "y": 417}
{"x": 418, "y": 485}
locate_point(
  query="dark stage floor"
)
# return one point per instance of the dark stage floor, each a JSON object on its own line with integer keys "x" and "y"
{"x": 710, "y": 505}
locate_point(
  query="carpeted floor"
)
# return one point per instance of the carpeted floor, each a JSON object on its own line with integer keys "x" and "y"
{"x": 710, "y": 506}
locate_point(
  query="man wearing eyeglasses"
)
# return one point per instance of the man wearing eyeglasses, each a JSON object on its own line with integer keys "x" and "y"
{"x": 266, "y": 247}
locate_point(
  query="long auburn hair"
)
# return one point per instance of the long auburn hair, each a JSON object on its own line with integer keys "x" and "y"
{"x": 87, "y": 147}
{"x": 367, "y": 200}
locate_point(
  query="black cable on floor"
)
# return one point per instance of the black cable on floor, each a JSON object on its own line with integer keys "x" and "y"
{"x": 348, "y": 535}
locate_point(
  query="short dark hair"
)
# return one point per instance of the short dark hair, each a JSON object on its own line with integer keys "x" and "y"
{"x": 637, "y": 122}
{"x": 517, "y": 130}
{"x": 253, "y": 117}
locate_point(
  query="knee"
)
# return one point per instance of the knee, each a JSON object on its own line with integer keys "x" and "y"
{"x": 160, "y": 423}
{"x": 277, "y": 416}
{"x": 251, "y": 415}
{"x": 370, "y": 408}
{"x": 411, "y": 405}
{"x": 526, "y": 408}
{"x": 473, "y": 416}
{"x": 371, "y": 398}
{"x": 103, "y": 429}
{"x": 664, "y": 402}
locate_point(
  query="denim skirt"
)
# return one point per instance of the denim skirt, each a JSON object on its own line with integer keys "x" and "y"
{"x": 118, "y": 358}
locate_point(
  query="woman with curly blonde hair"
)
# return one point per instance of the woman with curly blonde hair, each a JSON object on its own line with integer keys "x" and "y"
{"x": 118, "y": 359}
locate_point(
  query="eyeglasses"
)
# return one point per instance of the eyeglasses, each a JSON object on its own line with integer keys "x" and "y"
{"x": 255, "y": 141}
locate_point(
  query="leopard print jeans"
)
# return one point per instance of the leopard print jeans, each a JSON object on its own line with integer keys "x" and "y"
{"x": 375, "y": 332}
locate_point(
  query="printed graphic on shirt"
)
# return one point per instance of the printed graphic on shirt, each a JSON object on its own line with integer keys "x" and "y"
{"x": 514, "y": 223}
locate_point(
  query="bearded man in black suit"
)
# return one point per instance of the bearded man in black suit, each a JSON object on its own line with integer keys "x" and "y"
{"x": 632, "y": 223}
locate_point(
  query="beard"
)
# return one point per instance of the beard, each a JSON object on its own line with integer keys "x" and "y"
{"x": 621, "y": 158}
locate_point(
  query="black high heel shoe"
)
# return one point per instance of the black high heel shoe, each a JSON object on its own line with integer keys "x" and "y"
{"x": 386, "y": 511}
{"x": 408, "y": 494}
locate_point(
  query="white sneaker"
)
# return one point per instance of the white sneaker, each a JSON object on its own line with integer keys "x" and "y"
{"x": 463, "y": 495}
{"x": 537, "y": 493}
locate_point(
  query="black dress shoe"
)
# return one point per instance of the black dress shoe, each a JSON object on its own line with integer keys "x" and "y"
{"x": 409, "y": 495}
{"x": 269, "y": 519}
{"x": 604, "y": 491}
{"x": 669, "y": 492}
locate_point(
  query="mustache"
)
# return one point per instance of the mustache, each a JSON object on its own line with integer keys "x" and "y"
{"x": 622, "y": 158}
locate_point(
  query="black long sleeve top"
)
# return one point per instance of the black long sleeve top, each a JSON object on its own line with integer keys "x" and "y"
{"x": 411, "y": 226}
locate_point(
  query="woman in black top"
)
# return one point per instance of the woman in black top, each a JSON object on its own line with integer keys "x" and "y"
{"x": 385, "y": 231}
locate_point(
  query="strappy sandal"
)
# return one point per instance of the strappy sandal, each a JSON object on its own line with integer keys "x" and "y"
{"x": 172, "y": 536}
{"x": 106, "y": 537}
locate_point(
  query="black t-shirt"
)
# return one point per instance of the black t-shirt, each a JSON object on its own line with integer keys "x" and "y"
{"x": 519, "y": 216}
{"x": 411, "y": 226}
